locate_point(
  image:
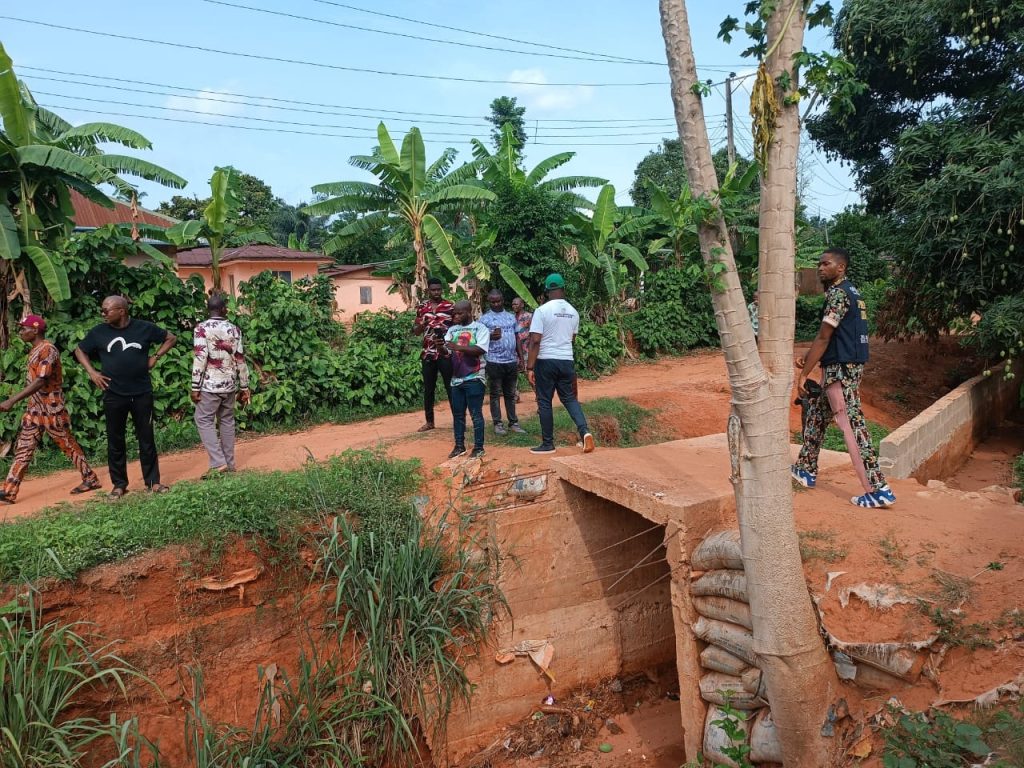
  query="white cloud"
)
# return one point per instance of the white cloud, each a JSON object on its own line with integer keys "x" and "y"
{"x": 208, "y": 101}
{"x": 542, "y": 96}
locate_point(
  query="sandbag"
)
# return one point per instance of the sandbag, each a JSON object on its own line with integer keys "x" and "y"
{"x": 716, "y": 740}
{"x": 754, "y": 682}
{"x": 714, "y": 686}
{"x": 875, "y": 679}
{"x": 715, "y": 659}
{"x": 765, "y": 743}
{"x": 733, "y": 638}
{"x": 724, "y": 609}
{"x": 718, "y": 550}
{"x": 731, "y": 584}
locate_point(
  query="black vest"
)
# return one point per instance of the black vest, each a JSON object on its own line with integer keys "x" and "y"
{"x": 849, "y": 342}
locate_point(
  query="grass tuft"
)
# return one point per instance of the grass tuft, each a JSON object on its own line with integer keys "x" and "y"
{"x": 614, "y": 422}
{"x": 820, "y": 545}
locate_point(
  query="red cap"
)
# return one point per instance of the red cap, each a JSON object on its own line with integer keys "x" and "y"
{"x": 33, "y": 321}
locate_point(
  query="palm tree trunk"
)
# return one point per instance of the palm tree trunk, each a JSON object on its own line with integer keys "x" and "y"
{"x": 800, "y": 678}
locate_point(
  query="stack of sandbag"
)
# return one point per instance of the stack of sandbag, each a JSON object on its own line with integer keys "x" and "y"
{"x": 729, "y": 663}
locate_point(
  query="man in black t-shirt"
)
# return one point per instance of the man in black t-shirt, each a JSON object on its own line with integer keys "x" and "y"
{"x": 122, "y": 346}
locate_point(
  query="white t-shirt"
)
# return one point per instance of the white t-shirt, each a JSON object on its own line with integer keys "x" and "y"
{"x": 557, "y": 321}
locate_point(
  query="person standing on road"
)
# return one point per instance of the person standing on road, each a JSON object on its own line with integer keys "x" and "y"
{"x": 841, "y": 347}
{"x": 433, "y": 319}
{"x": 550, "y": 364}
{"x": 502, "y": 362}
{"x": 46, "y": 412}
{"x": 523, "y": 319}
{"x": 121, "y": 344}
{"x": 219, "y": 377}
{"x": 467, "y": 340}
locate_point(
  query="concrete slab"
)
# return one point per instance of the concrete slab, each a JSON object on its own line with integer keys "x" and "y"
{"x": 682, "y": 480}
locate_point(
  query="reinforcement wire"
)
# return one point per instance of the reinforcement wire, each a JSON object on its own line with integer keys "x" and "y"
{"x": 660, "y": 545}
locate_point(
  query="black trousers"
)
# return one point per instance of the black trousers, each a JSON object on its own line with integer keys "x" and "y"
{"x": 501, "y": 381}
{"x": 431, "y": 368}
{"x": 116, "y": 408}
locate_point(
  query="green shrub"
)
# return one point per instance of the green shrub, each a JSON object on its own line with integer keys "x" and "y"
{"x": 808, "y": 317}
{"x": 598, "y": 348}
{"x": 676, "y": 313}
{"x": 1018, "y": 471}
{"x": 380, "y": 364}
{"x": 999, "y": 335}
{"x": 932, "y": 740}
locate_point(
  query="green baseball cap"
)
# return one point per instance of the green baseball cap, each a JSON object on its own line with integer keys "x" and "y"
{"x": 554, "y": 280}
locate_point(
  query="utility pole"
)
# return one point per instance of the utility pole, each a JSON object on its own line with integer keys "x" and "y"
{"x": 730, "y": 144}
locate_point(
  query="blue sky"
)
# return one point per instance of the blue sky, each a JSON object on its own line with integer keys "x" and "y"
{"x": 609, "y": 127}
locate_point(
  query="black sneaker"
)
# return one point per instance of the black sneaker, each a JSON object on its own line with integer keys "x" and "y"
{"x": 477, "y": 453}
{"x": 542, "y": 448}
{"x": 457, "y": 451}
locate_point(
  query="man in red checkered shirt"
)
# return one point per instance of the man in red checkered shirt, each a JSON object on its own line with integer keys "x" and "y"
{"x": 433, "y": 319}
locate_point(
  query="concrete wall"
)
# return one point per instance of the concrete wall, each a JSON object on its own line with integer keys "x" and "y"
{"x": 570, "y": 550}
{"x": 234, "y": 273}
{"x": 347, "y": 297}
{"x": 936, "y": 442}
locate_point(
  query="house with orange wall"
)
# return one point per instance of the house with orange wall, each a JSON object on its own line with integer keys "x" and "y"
{"x": 240, "y": 264}
{"x": 357, "y": 289}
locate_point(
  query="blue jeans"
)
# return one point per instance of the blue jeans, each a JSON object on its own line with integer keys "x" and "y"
{"x": 557, "y": 376}
{"x": 468, "y": 393}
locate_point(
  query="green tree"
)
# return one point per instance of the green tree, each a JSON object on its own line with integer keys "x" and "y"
{"x": 936, "y": 143}
{"x": 365, "y": 248}
{"x": 505, "y": 111}
{"x": 222, "y": 224}
{"x": 42, "y": 158}
{"x": 257, "y": 205}
{"x": 663, "y": 166}
{"x": 407, "y": 198}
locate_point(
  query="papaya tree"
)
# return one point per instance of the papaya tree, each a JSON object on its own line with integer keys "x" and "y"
{"x": 221, "y": 225}
{"x": 408, "y": 199}
{"x": 799, "y": 675}
{"x": 43, "y": 158}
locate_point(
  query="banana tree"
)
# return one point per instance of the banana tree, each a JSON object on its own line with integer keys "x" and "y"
{"x": 506, "y": 164}
{"x": 42, "y": 158}
{"x": 219, "y": 226}
{"x": 408, "y": 198}
{"x": 599, "y": 245}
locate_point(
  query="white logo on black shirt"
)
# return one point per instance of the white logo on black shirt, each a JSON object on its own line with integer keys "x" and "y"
{"x": 125, "y": 345}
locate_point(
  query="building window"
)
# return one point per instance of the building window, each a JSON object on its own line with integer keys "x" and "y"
{"x": 231, "y": 280}
{"x": 366, "y": 294}
{"x": 284, "y": 274}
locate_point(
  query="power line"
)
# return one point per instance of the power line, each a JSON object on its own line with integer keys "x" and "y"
{"x": 370, "y": 130}
{"x": 421, "y": 38}
{"x": 503, "y": 38}
{"x": 193, "y": 90}
{"x": 214, "y": 96}
{"x": 320, "y": 64}
{"x": 568, "y": 141}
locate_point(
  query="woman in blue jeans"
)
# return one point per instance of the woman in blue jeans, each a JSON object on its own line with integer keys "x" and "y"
{"x": 468, "y": 341}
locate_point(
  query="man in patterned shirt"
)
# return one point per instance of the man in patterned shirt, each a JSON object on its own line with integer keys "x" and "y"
{"x": 842, "y": 349}
{"x": 433, "y": 319}
{"x": 219, "y": 375}
{"x": 46, "y": 412}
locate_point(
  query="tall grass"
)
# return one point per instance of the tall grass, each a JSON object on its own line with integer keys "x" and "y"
{"x": 45, "y": 670}
{"x": 417, "y": 609}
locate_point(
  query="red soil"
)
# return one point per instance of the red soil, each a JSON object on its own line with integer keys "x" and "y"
{"x": 166, "y": 623}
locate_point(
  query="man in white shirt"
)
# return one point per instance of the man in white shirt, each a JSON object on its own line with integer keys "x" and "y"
{"x": 550, "y": 364}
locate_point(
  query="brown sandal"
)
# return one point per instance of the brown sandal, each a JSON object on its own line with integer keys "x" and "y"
{"x": 426, "y": 427}
{"x": 86, "y": 487}
{"x": 158, "y": 488}
{"x": 118, "y": 492}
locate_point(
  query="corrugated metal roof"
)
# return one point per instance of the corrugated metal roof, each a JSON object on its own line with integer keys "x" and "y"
{"x": 92, "y": 215}
{"x": 201, "y": 257}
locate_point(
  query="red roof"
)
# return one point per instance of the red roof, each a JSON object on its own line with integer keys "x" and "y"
{"x": 339, "y": 270}
{"x": 93, "y": 215}
{"x": 201, "y": 257}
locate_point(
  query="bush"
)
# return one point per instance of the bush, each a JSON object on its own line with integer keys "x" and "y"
{"x": 598, "y": 348}
{"x": 676, "y": 313}
{"x": 808, "y": 317}
{"x": 999, "y": 335}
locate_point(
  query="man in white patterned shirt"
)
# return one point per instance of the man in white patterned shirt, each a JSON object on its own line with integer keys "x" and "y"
{"x": 219, "y": 375}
